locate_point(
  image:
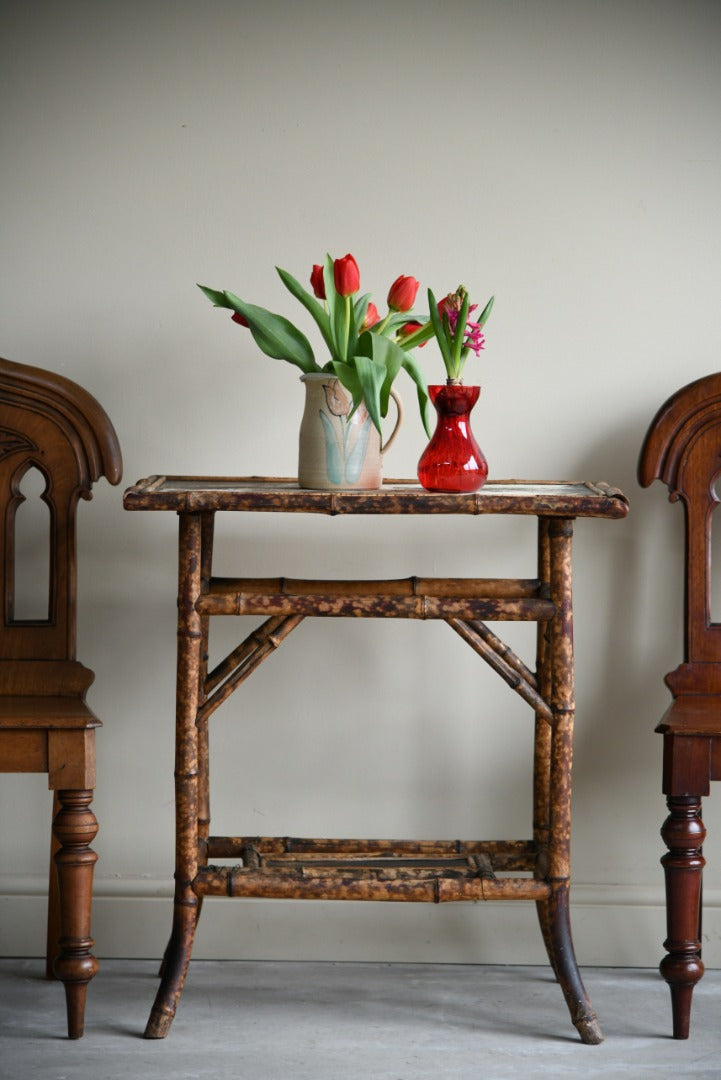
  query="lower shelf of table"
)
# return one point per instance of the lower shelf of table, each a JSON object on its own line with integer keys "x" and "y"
{"x": 430, "y": 871}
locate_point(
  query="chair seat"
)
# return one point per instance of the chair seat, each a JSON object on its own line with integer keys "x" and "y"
{"x": 49, "y": 713}
{"x": 692, "y": 714}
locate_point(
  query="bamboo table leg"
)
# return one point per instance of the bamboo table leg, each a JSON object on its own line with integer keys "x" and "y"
{"x": 206, "y": 569}
{"x": 190, "y": 642}
{"x": 542, "y": 745}
{"x": 207, "y": 528}
{"x": 563, "y": 703}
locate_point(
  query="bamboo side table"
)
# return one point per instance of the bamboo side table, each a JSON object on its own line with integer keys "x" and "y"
{"x": 435, "y": 871}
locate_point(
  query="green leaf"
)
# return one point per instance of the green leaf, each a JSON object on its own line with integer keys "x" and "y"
{"x": 361, "y": 306}
{"x": 349, "y": 311}
{"x": 349, "y": 378}
{"x": 371, "y": 375}
{"x": 441, "y": 333}
{"x": 275, "y": 335}
{"x": 309, "y": 302}
{"x": 385, "y": 354}
{"x": 215, "y": 297}
{"x": 486, "y": 312}
{"x": 360, "y": 309}
{"x": 411, "y": 366}
{"x": 459, "y": 335}
{"x": 400, "y": 318}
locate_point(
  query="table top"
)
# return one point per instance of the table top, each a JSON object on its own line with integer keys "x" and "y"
{"x": 196, "y": 494}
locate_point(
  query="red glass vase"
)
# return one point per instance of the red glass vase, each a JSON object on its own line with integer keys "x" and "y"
{"x": 453, "y": 461}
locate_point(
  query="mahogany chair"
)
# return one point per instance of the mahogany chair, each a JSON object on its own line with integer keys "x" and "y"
{"x": 49, "y": 424}
{"x": 683, "y": 448}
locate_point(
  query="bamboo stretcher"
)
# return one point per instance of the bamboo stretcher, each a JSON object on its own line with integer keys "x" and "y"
{"x": 421, "y": 871}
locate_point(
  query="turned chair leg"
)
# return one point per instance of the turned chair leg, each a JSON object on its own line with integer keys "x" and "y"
{"x": 683, "y": 833}
{"x": 75, "y": 827}
{"x": 53, "y": 928}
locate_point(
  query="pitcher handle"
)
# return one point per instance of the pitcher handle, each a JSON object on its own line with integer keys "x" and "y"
{"x": 399, "y": 408}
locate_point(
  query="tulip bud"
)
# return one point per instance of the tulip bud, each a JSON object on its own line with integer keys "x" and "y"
{"x": 372, "y": 316}
{"x": 346, "y": 275}
{"x": 240, "y": 319}
{"x": 317, "y": 282}
{"x": 402, "y": 293}
{"x": 407, "y": 329}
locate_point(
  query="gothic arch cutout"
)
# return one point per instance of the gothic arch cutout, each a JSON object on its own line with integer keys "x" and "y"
{"x": 31, "y": 527}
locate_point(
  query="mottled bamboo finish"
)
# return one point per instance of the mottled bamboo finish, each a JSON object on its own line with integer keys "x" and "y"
{"x": 325, "y": 602}
{"x": 421, "y": 886}
{"x": 542, "y": 744}
{"x": 185, "y": 909}
{"x": 431, "y": 871}
{"x": 254, "y": 850}
{"x": 244, "y": 660}
{"x": 426, "y": 871}
{"x": 504, "y": 662}
{"x": 282, "y": 495}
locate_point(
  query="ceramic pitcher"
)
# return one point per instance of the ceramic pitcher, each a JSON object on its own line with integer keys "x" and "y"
{"x": 338, "y": 448}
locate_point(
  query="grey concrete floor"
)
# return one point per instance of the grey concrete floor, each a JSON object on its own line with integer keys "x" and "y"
{"x": 272, "y": 1021}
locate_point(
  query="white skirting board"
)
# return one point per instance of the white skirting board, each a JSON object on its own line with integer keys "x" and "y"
{"x": 612, "y": 926}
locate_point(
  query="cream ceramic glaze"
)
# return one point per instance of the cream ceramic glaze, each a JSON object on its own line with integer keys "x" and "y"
{"x": 337, "y": 449}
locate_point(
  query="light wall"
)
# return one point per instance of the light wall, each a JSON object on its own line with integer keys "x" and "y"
{"x": 562, "y": 155}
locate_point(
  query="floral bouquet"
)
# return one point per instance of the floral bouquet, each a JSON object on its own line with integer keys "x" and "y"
{"x": 366, "y": 352}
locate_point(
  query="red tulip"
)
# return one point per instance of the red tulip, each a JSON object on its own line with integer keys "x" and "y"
{"x": 240, "y": 319}
{"x": 346, "y": 275}
{"x": 402, "y": 293}
{"x": 410, "y": 328}
{"x": 316, "y": 280}
{"x": 372, "y": 316}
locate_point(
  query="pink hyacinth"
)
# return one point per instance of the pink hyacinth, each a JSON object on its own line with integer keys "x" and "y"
{"x": 450, "y": 307}
{"x": 474, "y": 339}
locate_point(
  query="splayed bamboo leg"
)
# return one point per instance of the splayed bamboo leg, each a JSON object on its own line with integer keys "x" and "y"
{"x": 207, "y": 529}
{"x": 185, "y": 910}
{"x": 542, "y": 746}
{"x": 558, "y": 925}
{"x": 206, "y": 571}
{"x": 582, "y": 1015}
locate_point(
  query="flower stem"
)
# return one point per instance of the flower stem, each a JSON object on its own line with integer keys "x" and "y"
{"x": 346, "y": 300}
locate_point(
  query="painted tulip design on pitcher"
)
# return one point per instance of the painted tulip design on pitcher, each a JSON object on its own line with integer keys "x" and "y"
{"x": 345, "y": 442}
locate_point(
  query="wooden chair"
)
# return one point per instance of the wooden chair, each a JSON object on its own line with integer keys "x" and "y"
{"x": 683, "y": 448}
{"x": 49, "y": 424}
